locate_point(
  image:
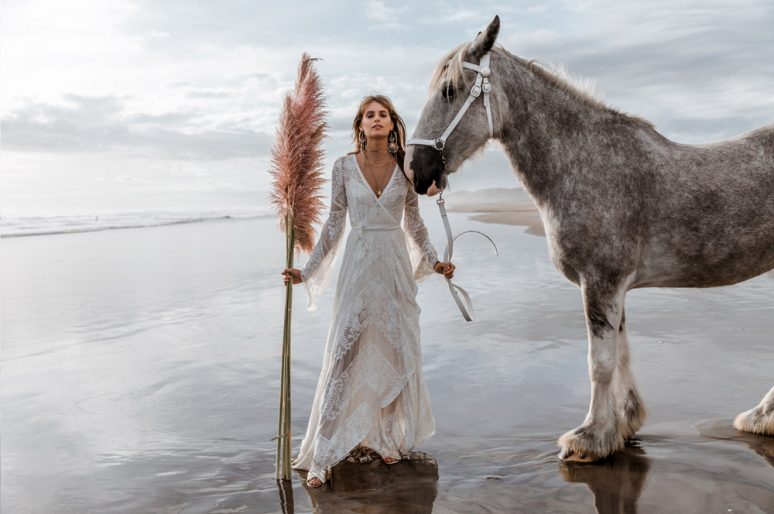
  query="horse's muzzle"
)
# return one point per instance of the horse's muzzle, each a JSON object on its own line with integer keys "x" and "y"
{"x": 433, "y": 189}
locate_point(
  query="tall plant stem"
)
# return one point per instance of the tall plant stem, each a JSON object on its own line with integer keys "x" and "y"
{"x": 283, "y": 430}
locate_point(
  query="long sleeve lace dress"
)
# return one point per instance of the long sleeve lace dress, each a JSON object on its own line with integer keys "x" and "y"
{"x": 370, "y": 392}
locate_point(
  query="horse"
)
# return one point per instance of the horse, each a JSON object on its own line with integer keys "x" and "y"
{"x": 623, "y": 207}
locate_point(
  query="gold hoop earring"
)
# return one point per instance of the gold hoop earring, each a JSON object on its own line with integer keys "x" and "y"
{"x": 392, "y": 142}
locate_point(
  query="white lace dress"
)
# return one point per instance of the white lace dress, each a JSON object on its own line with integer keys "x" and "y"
{"x": 370, "y": 391}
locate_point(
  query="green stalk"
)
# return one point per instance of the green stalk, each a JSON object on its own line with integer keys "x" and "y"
{"x": 283, "y": 430}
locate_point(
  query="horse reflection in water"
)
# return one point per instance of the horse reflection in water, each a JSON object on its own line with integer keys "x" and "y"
{"x": 720, "y": 430}
{"x": 618, "y": 481}
{"x": 615, "y": 482}
{"x": 407, "y": 487}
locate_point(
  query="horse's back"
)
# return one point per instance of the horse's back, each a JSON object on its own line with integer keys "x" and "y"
{"x": 711, "y": 220}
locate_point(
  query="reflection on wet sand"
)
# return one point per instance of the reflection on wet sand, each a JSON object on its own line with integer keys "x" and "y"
{"x": 616, "y": 482}
{"x": 723, "y": 430}
{"x": 286, "y": 496}
{"x": 408, "y": 487}
{"x": 190, "y": 432}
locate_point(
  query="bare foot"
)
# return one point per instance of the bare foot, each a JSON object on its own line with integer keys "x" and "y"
{"x": 314, "y": 482}
{"x": 390, "y": 460}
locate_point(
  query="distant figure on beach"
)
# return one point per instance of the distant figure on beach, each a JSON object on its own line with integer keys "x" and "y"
{"x": 370, "y": 396}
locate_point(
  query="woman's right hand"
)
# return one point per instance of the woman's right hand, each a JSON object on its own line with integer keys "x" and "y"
{"x": 293, "y": 273}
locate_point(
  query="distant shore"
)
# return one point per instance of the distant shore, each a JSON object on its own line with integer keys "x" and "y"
{"x": 502, "y": 206}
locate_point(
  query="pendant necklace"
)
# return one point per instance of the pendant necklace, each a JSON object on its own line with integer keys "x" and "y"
{"x": 381, "y": 167}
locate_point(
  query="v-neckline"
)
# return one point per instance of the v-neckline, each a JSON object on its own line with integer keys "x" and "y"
{"x": 368, "y": 186}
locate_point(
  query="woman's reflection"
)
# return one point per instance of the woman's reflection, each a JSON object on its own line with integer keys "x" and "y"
{"x": 407, "y": 487}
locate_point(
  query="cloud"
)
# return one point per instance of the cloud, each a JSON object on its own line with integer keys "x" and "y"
{"x": 102, "y": 125}
{"x": 379, "y": 10}
{"x": 138, "y": 83}
{"x": 462, "y": 15}
{"x": 680, "y": 64}
{"x": 388, "y": 17}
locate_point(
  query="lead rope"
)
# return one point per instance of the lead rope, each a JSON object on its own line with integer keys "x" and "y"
{"x": 466, "y": 308}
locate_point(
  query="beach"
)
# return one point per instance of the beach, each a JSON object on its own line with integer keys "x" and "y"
{"x": 140, "y": 373}
{"x": 503, "y": 206}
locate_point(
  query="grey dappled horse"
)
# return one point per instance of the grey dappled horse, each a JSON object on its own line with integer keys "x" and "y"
{"x": 623, "y": 207}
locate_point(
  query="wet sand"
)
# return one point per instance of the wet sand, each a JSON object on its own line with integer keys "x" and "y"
{"x": 140, "y": 373}
{"x": 505, "y": 206}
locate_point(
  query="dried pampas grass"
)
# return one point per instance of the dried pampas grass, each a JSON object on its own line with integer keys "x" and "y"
{"x": 297, "y": 159}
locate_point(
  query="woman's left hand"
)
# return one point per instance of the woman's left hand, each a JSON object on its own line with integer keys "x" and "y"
{"x": 445, "y": 268}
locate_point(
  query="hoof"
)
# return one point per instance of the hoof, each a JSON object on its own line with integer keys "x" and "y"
{"x": 571, "y": 456}
{"x": 588, "y": 444}
{"x": 756, "y": 421}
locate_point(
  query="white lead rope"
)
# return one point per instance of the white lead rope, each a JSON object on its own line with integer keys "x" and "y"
{"x": 466, "y": 308}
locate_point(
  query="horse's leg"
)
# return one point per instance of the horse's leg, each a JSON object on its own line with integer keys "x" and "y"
{"x": 602, "y": 432}
{"x": 631, "y": 406}
{"x": 759, "y": 420}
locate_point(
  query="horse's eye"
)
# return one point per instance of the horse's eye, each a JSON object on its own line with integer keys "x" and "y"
{"x": 447, "y": 91}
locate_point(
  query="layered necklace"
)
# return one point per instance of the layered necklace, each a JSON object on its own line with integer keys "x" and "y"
{"x": 379, "y": 168}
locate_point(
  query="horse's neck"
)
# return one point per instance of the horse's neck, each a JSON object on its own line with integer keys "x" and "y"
{"x": 549, "y": 131}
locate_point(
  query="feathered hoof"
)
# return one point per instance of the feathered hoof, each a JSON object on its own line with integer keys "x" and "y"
{"x": 571, "y": 456}
{"x": 756, "y": 421}
{"x": 588, "y": 444}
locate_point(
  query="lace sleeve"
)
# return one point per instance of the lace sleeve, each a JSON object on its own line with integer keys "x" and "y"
{"x": 316, "y": 273}
{"x": 421, "y": 251}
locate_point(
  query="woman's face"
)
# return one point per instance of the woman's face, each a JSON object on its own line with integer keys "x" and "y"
{"x": 376, "y": 122}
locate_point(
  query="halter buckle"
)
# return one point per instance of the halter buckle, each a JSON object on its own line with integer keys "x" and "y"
{"x": 486, "y": 87}
{"x": 439, "y": 144}
{"x": 475, "y": 91}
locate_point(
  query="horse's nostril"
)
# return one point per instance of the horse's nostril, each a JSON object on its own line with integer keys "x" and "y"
{"x": 433, "y": 189}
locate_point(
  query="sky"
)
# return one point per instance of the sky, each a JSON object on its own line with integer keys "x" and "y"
{"x": 173, "y": 104}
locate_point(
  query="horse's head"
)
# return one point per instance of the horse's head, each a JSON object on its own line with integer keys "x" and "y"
{"x": 450, "y": 89}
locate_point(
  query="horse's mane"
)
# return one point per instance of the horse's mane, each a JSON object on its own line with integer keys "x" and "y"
{"x": 449, "y": 71}
{"x": 449, "y": 68}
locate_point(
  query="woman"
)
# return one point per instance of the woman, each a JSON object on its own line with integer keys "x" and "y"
{"x": 370, "y": 393}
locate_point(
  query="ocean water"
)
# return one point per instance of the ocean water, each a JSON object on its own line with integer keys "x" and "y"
{"x": 140, "y": 373}
{"x": 32, "y": 225}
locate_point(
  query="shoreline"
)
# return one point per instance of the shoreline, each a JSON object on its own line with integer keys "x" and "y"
{"x": 524, "y": 218}
{"x": 500, "y": 206}
{"x": 135, "y": 225}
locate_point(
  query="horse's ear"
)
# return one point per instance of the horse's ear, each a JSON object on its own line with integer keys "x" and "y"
{"x": 485, "y": 40}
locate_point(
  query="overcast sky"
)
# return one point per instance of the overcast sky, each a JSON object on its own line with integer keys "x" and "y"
{"x": 132, "y": 104}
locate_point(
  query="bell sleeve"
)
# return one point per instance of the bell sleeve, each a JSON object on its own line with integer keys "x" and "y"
{"x": 423, "y": 255}
{"x": 316, "y": 272}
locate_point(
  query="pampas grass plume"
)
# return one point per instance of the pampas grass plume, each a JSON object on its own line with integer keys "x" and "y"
{"x": 297, "y": 157}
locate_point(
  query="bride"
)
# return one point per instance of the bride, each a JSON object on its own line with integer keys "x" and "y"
{"x": 370, "y": 394}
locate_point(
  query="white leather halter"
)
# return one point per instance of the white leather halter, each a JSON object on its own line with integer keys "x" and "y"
{"x": 480, "y": 86}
